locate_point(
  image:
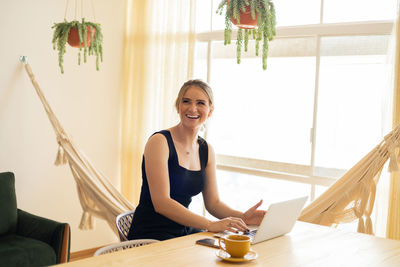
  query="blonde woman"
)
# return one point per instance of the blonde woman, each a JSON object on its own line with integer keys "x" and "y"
{"x": 177, "y": 165}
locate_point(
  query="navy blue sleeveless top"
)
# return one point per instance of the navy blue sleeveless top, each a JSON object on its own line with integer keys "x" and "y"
{"x": 184, "y": 184}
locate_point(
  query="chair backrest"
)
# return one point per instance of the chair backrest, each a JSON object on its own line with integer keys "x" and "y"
{"x": 124, "y": 245}
{"x": 8, "y": 204}
{"x": 123, "y": 222}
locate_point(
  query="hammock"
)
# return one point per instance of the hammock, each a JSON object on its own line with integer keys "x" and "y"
{"x": 96, "y": 194}
{"x": 351, "y": 197}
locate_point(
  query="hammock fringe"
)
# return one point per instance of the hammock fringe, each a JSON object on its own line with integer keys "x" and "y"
{"x": 87, "y": 222}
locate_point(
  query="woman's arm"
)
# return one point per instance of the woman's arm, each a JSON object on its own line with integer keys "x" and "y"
{"x": 156, "y": 163}
{"x": 218, "y": 208}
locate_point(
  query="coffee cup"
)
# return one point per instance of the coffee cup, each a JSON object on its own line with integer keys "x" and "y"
{"x": 236, "y": 245}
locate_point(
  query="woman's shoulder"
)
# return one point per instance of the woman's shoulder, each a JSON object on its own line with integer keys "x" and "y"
{"x": 202, "y": 141}
{"x": 162, "y": 132}
{"x": 158, "y": 138}
{"x": 207, "y": 147}
{"x": 161, "y": 135}
{"x": 156, "y": 147}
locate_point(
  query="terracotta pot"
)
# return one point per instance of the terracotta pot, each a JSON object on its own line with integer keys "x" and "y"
{"x": 246, "y": 21}
{"x": 73, "y": 36}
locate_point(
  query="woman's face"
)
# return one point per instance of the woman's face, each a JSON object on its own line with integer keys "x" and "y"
{"x": 194, "y": 108}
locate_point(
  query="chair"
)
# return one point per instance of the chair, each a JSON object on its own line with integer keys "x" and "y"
{"x": 27, "y": 239}
{"x": 124, "y": 245}
{"x": 124, "y": 221}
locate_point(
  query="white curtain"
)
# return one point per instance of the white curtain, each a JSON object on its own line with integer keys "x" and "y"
{"x": 158, "y": 58}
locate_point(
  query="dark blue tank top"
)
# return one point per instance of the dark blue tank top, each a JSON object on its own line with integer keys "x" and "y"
{"x": 184, "y": 184}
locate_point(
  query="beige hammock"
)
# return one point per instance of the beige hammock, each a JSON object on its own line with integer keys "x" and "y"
{"x": 97, "y": 195}
{"x": 351, "y": 197}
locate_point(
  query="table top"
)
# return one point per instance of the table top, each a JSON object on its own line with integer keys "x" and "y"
{"x": 306, "y": 245}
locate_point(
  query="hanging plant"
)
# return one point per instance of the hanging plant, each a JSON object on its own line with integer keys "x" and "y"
{"x": 254, "y": 18}
{"x": 84, "y": 35}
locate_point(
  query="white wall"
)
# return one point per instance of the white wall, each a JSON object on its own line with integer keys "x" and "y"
{"x": 86, "y": 102}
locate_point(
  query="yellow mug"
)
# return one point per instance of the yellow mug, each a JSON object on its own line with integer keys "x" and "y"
{"x": 236, "y": 245}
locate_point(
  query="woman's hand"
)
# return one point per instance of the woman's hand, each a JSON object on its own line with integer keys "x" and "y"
{"x": 254, "y": 216}
{"x": 231, "y": 224}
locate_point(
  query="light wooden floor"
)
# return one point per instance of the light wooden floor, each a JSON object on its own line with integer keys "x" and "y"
{"x": 82, "y": 254}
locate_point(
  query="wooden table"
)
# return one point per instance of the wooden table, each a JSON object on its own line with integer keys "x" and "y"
{"x": 306, "y": 245}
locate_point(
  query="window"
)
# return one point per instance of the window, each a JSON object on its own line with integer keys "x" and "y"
{"x": 316, "y": 111}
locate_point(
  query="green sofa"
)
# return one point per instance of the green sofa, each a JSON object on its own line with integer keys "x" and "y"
{"x": 26, "y": 239}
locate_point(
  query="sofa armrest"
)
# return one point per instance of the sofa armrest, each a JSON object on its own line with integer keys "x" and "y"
{"x": 55, "y": 234}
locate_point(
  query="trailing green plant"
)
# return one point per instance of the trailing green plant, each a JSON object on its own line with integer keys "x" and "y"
{"x": 266, "y": 24}
{"x": 60, "y": 38}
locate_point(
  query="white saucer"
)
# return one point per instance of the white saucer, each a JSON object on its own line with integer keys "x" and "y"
{"x": 251, "y": 255}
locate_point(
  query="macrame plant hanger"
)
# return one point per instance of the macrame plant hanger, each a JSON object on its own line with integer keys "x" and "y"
{"x": 76, "y": 10}
{"x": 79, "y": 33}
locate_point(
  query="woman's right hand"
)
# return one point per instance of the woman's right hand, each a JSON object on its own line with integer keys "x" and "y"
{"x": 231, "y": 224}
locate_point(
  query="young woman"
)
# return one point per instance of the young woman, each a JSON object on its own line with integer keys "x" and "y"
{"x": 177, "y": 165}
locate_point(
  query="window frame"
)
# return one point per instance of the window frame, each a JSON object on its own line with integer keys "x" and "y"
{"x": 308, "y": 174}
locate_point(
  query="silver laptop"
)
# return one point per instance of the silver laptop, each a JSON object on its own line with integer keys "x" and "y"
{"x": 279, "y": 219}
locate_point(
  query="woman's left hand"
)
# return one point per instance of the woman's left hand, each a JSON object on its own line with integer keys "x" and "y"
{"x": 253, "y": 216}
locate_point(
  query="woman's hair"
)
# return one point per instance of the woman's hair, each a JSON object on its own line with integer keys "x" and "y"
{"x": 198, "y": 83}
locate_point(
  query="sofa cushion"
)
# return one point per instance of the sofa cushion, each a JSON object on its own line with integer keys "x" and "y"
{"x": 16, "y": 250}
{"x": 8, "y": 204}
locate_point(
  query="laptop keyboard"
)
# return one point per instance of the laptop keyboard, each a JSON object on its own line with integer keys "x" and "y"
{"x": 251, "y": 233}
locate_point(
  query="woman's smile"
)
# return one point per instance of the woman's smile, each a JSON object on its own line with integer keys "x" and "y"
{"x": 193, "y": 117}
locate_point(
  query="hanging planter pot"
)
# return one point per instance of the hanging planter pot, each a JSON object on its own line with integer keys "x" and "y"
{"x": 254, "y": 18}
{"x": 74, "y": 39}
{"x": 246, "y": 19}
{"x": 86, "y": 36}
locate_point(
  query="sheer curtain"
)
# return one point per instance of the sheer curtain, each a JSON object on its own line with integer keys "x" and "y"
{"x": 393, "y": 219}
{"x": 158, "y": 58}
